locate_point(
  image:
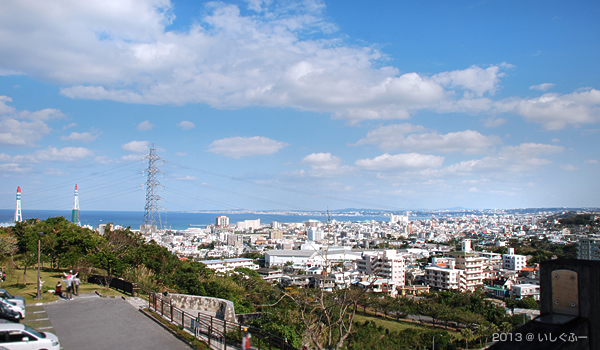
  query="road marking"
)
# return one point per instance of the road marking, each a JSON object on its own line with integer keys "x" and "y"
{"x": 45, "y": 327}
{"x": 42, "y": 319}
{"x": 39, "y": 312}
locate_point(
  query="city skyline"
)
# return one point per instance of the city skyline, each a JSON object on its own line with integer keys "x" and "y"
{"x": 300, "y": 105}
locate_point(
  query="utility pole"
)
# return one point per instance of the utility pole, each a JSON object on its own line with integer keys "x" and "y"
{"x": 151, "y": 216}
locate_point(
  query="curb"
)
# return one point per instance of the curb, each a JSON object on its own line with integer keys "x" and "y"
{"x": 187, "y": 342}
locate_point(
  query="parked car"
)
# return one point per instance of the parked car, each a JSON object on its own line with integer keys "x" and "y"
{"x": 19, "y": 336}
{"x": 12, "y": 306}
{"x": 19, "y": 301}
{"x": 8, "y": 314}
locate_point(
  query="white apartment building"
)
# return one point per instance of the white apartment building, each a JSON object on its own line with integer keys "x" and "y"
{"x": 512, "y": 261}
{"x": 521, "y": 291}
{"x": 589, "y": 248}
{"x": 248, "y": 224}
{"x": 443, "y": 278}
{"x": 472, "y": 267}
{"x": 229, "y": 264}
{"x": 314, "y": 234}
{"x": 385, "y": 264}
{"x": 222, "y": 221}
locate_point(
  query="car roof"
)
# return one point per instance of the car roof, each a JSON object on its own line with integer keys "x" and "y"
{"x": 11, "y": 326}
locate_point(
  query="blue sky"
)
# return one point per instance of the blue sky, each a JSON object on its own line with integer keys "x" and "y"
{"x": 303, "y": 105}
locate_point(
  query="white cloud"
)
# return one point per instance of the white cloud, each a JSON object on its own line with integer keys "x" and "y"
{"x": 131, "y": 158}
{"x": 569, "y": 167}
{"x": 393, "y": 137}
{"x": 181, "y": 154}
{"x": 145, "y": 125}
{"x": 475, "y": 79}
{"x": 493, "y": 122}
{"x": 136, "y": 146}
{"x": 542, "y": 87}
{"x": 555, "y": 140}
{"x": 555, "y": 111}
{"x": 4, "y": 157}
{"x": 229, "y": 58}
{"x": 77, "y": 136}
{"x": 238, "y": 147}
{"x": 53, "y": 154}
{"x": 14, "y": 168}
{"x": 72, "y": 125}
{"x": 325, "y": 165}
{"x": 591, "y": 161}
{"x": 21, "y": 133}
{"x": 186, "y": 125}
{"x": 103, "y": 160}
{"x": 406, "y": 161}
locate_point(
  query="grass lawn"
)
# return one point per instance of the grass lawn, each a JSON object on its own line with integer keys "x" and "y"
{"x": 397, "y": 326}
{"x": 14, "y": 284}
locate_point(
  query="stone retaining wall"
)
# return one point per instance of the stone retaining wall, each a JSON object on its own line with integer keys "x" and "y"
{"x": 222, "y": 308}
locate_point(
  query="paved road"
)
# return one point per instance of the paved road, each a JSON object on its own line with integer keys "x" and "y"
{"x": 90, "y": 322}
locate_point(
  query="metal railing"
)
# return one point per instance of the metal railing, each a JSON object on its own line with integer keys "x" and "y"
{"x": 217, "y": 333}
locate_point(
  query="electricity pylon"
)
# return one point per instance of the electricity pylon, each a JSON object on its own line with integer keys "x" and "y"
{"x": 151, "y": 216}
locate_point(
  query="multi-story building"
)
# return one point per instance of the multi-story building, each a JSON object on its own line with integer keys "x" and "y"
{"x": 248, "y": 224}
{"x": 589, "y": 248}
{"x": 443, "y": 276}
{"x": 235, "y": 240}
{"x": 472, "y": 267}
{"x": 384, "y": 264}
{"x": 276, "y": 234}
{"x": 512, "y": 261}
{"x": 229, "y": 264}
{"x": 222, "y": 221}
{"x": 521, "y": 291}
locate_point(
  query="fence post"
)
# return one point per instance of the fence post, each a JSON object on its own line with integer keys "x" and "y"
{"x": 171, "y": 306}
{"x": 183, "y": 319}
{"x": 162, "y": 307}
{"x": 210, "y": 329}
{"x": 224, "y": 334}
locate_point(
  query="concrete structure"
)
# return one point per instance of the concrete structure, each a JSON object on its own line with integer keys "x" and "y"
{"x": 248, "y": 225}
{"x": 443, "y": 277}
{"x": 512, "y": 261}
{"x": 235, "y": 240}
{"x": 314, "y": 234}
{"x": 525, "y": 290}
{"x": 589, "y": 248}
{"x": 472, "y": 267}
{"x": 229, "y": 264}
{"x": 276, "y": 234}
{"x": 385, "y": 264}
{"x": 221, "y": 308}
{"x": 222, "y": 221}
{"x": 18, "y": 215}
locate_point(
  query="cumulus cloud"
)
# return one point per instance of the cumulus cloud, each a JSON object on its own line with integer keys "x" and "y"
{"x": 145, "y": 125}
{"x": 136, "y": 146}
{"x": 474, "y": 79}
{"x": 238, "y": 147}
{"x": 228, "y": 58}
{"x": 14, "y": 168}
{"x": 325, "y": 165}
{"x": 406, "y": 161}
{"x": 79, "y": 136}
{"x": 542, "y": 87}
{"x": 522, "y": 158}
{"x": 394, "y": 137}
{"x": 555, "y": 111}
{"x": 16, "y": 132}
{"x": 186, "y": 125}
{"x": 591, "y": 161}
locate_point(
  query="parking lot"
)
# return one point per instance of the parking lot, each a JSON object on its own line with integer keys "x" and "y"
{"x": 91, "y": 322}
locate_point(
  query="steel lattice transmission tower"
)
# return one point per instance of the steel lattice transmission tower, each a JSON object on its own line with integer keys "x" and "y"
{"x": 151, "y": 216}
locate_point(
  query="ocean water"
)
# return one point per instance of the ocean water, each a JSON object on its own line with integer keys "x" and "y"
{"x": 173, "y": 220}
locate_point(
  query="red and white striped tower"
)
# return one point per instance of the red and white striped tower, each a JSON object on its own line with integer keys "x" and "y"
{"x": 18, "y": 216}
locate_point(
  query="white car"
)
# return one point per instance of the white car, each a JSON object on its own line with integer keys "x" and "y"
{"x": 16, "y": 336}
{"x": 13, "y": 306}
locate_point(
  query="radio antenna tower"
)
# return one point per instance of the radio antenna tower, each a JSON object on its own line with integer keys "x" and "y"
{"x": 75, "y": 211}
{"x": 18, "y": 216}
{"x": 151, "y": 215}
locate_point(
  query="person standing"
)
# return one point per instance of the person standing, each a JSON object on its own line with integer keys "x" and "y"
{"x": 246, "y": 339}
